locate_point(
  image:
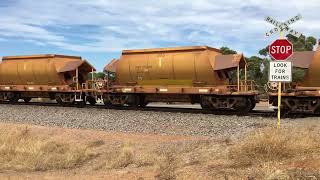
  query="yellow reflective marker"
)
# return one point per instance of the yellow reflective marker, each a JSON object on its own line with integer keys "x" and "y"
{"x": 279, "y": 95}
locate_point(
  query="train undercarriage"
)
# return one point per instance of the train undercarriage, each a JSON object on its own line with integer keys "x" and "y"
{"x": 296, "y": 104}
{"x": 241, "y": 104}
{"x": 62, "y": 98}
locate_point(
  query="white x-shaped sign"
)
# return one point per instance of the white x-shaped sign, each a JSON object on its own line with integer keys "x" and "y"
{"x": 283, "y": 26}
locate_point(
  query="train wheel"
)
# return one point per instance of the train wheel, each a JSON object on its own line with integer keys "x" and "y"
{"x": 65, "y": 99}
{"x": 13, "y": 98}
{"x": 106, "y": 101}
{"x": 27, "y": 99}
{"x": 81, "y": 104}
{"x": 59, "y": 100}
{"x": 284, "y": 112}
{"x": 133, "y": 100}
{"x": 205, "y": 106}
{"x": 244, "y": 106}
{"x": 253, "y": 104}
{"x": 205, "y": 103}
{"x": 143, "y": 103}
{"x": 91, "y": 100}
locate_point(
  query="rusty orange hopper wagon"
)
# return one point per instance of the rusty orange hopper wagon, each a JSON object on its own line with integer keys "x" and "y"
{"x": 196, "y": 74}
{"x": 57, "y": 77}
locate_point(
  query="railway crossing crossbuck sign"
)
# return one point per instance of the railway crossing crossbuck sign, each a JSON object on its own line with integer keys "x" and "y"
{"x": 283, "y": 26}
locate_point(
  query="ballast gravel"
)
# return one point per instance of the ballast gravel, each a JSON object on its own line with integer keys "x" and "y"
{"x": 135, "y": 121}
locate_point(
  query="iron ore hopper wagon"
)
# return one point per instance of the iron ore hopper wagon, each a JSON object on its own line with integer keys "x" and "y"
{"x": 196, "y": 74}
{"x": 58, "y": 77}
{"x": 304, "y": 96}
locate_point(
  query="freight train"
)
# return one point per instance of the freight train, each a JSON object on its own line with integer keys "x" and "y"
{"x": 193, "y": 74}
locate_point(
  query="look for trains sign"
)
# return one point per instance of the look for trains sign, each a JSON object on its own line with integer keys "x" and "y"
{"x": 280, "y": 72}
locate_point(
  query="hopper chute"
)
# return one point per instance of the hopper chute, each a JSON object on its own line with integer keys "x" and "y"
{"x": 111, "y": 67}
{"x": 73, "y": 65}
{"x": 301, "y": 59}
{"x": 228, "y": 62}
{"x": 223, "y": 64}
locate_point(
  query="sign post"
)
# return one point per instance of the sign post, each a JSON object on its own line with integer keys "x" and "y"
{"x": 281, "y": 49}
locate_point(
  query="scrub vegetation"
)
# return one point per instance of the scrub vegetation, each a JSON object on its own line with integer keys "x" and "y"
{"x": 22, "y": 151}
{"x": 266, "y": 153}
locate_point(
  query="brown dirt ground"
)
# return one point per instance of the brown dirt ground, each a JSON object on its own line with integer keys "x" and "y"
{"x": 198, "y": 157}
{"x": 86, "y": 171}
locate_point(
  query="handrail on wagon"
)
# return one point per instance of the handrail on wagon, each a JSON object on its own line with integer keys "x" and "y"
{"x": 243, "y": 85}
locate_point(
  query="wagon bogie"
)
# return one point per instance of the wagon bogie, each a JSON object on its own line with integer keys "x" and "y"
{"x": 241, "y": 104}
{"x": 296, "y": 104}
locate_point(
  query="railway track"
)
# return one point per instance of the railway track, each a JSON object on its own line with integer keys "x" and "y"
{"x": 190, "y": 121}
{"x": 258, "y": 113}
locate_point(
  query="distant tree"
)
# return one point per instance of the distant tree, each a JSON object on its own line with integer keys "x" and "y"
{"x": 96, "y": 75}
{"x": 258, "y": 70}
{"x": 264, "y": 51}
{"x": 254, "y": 64}
{"x": 302, "y": 43}
{"x": 225, "y": 51}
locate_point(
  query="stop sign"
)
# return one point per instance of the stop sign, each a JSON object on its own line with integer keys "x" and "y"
{"x": 281, "y": 49}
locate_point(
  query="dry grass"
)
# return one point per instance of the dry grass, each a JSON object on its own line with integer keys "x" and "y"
{"x": 128, "y": 154}
{"x": 264, "y": 154}
{"x": 274, "y": 145}
{"x": 122, "y": 157}
{"x": 20, "y": 150}
{"x": 167, "y": 166}
{"x": 165, "y": 159}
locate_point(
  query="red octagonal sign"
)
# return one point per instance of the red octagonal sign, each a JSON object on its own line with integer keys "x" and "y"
{"x": 281, "y": 49}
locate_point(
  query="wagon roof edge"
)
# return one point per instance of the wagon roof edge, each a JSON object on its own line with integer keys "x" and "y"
{"x": 38, "y": 56}
{"x": 180, "y": 48}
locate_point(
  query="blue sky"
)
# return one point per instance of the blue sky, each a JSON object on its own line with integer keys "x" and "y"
{"x": 98, "y": 30}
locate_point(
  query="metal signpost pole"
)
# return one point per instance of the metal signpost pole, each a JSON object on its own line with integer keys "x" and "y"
{"x": 279, "y": 95}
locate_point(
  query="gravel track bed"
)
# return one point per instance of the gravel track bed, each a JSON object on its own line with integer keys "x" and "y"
{"x": 164, "y": 123}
